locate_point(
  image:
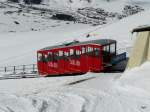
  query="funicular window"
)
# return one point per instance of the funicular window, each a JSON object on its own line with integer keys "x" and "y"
{"x": 55, "y": 56}
{"x": 43, "y": 58}
{"x": 90, "y": 51}
{"x": 66, "y": 55}
{"x": 112, "y": 48}
{"x": 83, "y": 50}
{"x": 71, "y": 52}
{"x": 46, "y": 57}
{"x": 50, "y": 56}
{"x": 106, "y": 53}
{"x": 96, "y": 51}
{"x": 60, "y": 53}
{"x": 78, "y": 52}
{"x": 106, "y": 48}
{"x": 39, "y": 56}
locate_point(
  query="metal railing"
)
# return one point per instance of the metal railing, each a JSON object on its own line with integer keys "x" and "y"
{"x": 126, "y": 49}
{"x": 19, "y": 69}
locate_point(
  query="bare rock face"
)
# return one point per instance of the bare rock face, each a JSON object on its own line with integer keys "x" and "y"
{"x": 130, "y": 10}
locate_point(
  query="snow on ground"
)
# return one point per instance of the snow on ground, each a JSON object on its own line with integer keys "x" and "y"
{"x": 137, "y": 77}
{"x": 85, "y": 93}
{"x": 144, "y": 3}
{"x": 21, "y": 48}
{"x": 30, "y": 42}
{"x": 84, "y": 3}
{"x": 121, "y": 31}
{"x": 92, "y": 92}
{"x": 23, "y": 18}
{"x": 15, "y": 20}
{"x": 105, "y": 4}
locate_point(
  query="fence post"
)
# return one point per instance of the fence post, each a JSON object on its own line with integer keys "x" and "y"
{"x": 5, "y": 69}
{"x": 14, "y": 69}
{"x": 24, "y": 69}
{"x": 33, "y": 67}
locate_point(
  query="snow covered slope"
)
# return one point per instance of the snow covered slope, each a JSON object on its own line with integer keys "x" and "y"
{"x": 92, "y": 92}
{"x": 109, "y": 5}
{"x": 22, "y": 18}
{"x": 88, "y": 93}
{"x": 121, "y": 31}
{"x": 29, "y": 42}
{"x": 21, "y": 48}
{"x": 87, "y": 3}
{"x": 137, "y": 77}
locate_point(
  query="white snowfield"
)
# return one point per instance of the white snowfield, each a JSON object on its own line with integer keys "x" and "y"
{"x": 92, "y": 92}
{"x": 74, "y": 4}
{"x": 121, "y": 31}
{"x": 21, "y": 47}
{"x": 109, "y": 5}
{"x": 86, "y": 93}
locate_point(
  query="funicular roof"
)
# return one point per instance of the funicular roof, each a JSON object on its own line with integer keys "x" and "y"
{"x": 141, "y": 28}
{"x": 100, "y": 42}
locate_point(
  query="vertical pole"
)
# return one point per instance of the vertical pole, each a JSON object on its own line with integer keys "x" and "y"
{"x": 14, "y": 69}
{"x": 5, "y": 69}
{"x": 33, "y": 68}
{"x": 115, "y": 48}
{"x": 109, "y": 48}
{"x": 23, "y": 69}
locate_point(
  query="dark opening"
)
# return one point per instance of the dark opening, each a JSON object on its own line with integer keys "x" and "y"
{"x": 32, "y": 1}
{"x": 14, "y": 1}
{"x": 64, "y": 17}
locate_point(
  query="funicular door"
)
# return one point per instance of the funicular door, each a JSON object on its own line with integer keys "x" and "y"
{"x": 94, "y": 58}
{"x": 66, "y": 62}
{"x": 89, "y": 53}
{"x": 83, "y": 58}
{"x": 108, "y": 53}
{"x": 97, "y": 59}
{"x": 61, "y": 61}
{"x": 75, "y": 60}
{"x": 105, "y": 54}
{"x": 52, "y": 63}
{"x": 42, "y": 63}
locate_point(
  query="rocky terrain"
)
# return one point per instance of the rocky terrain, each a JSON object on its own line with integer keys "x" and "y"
{"x": 27, "y": 17}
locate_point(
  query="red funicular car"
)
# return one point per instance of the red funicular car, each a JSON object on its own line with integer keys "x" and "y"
{"x": 76, "y": 57}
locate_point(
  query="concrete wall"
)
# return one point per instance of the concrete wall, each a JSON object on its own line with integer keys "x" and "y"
{"x": 141, "y": 50}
